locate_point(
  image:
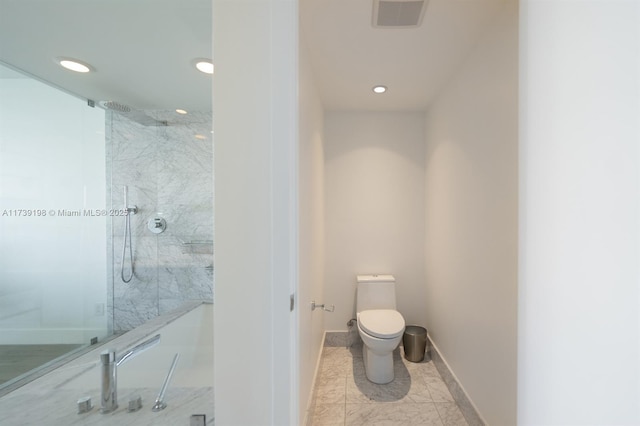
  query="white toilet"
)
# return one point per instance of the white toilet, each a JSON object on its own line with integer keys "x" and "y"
{"x": 379, "y": 324}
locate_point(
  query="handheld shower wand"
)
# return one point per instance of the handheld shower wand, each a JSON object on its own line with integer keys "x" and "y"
{"x": 127, "y": 234}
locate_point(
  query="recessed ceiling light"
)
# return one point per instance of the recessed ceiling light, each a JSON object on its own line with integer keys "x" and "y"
{"x": 181, "y": 111}
{"x": 204, "y": 65}
{"x": 379, "y": 89}
{"x": 74, "y": 65}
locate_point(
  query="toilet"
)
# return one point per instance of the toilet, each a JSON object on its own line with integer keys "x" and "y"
{"x": 379, "y": 324}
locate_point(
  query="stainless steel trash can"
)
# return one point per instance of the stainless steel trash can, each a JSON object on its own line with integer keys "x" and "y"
{"x": 414, "y": 341}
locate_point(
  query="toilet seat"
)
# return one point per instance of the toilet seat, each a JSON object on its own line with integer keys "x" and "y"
{"x": 381, "y": 323}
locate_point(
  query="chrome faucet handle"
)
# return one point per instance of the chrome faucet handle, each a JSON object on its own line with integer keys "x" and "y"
{"x": 109, "y": 372}
{"x": 108, "y": 385}
{"x": 160, "y": 404}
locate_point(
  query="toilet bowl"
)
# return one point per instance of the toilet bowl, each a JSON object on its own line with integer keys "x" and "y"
{"x": 379, "y": 325}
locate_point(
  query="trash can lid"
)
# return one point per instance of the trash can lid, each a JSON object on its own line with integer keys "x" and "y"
{"x": 415, "y": 330}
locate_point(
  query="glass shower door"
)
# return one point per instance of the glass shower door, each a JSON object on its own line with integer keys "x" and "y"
{"x": 52, "y": 227}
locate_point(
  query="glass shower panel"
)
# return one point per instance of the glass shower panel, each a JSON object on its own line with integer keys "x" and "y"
{"x": 52, "y": 228}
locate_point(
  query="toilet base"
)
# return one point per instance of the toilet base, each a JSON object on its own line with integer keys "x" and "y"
{"x": 378, "y": 368}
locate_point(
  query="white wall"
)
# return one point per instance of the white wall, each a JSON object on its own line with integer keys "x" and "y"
{"x": 579, "y": 301}
{"x": 255, "y": 44}
{"x": 471, "y": 221}
{"x": 311, "y": 230}
{"x": 374, "y": 215}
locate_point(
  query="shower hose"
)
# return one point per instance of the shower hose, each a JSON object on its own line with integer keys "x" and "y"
{"x": 127, "y": 237}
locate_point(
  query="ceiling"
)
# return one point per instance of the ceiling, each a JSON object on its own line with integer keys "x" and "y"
{"x": 349, "y": 56}
{"x": 143, "y": 50}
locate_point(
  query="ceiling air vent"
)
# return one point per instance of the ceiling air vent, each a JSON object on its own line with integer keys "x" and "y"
{"x": 398, "y": 13}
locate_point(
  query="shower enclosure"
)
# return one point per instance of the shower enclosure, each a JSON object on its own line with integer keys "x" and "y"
{"x": 166, "y": 161}
{"x": 63, "y": 166}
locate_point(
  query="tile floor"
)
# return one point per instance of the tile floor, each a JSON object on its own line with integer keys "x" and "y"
{"x": 344, "y": 396}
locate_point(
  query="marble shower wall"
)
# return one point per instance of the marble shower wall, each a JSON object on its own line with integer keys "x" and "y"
{"x": 169, "y": 173}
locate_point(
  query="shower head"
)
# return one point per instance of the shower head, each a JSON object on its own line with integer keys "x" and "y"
{"x": 115, "y": 106}
{"x": 134, "y": 115}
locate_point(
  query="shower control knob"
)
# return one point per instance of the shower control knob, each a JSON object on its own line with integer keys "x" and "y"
{"x": 135, "y": 403}
{"x": 157, "y": 225}
{"x": 84, "y": 405}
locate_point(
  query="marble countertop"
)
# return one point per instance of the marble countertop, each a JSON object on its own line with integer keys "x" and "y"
{"x": 50, "y": 401}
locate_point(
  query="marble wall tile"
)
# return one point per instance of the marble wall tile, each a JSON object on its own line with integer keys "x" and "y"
{"x": 130, "y": 312}
{"x": 185, "y": 156}
{"x": 144, "y": 197}
{"x": 185, "y": 189}
{"x": 189, "y": 222}
{"x": 145, "y": 253}
{"x": 169, "y": 174}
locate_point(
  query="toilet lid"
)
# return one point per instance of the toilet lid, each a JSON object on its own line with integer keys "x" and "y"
{"x": 382, "y": 323}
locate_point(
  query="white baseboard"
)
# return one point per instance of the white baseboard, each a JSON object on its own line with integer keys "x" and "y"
{"x": 310, "y": 408}
{"x": 468, "y": 408}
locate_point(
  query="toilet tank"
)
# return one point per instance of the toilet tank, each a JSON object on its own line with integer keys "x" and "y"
{"x": 375, "y": 292}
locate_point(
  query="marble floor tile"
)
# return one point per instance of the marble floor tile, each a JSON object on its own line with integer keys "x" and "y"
{"x": 331, "y": 393}
{"x": 450, "y": 414}
{"x": 344, "y": 395}
{"x": 392, "y": 414}
{"x": 439, "y": 392}
{"x": 423, "y": 368}
{"x": 328, "y": 415}
{"x": 361, "y": 390}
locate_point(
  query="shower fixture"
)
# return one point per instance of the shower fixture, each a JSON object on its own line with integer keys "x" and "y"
{"x": 116, "y": 106}
{"x": 135, "y": 115}
{"x": 160, "y": 404}
{"x": 157, "y": 225}
{"x": 127, "y": 234}
{"x": 109, "y": 372}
